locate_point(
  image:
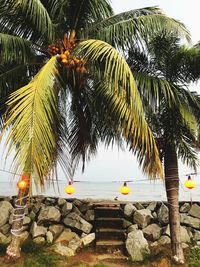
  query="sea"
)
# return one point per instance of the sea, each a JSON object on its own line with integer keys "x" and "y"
{"x": 140, "y": 191}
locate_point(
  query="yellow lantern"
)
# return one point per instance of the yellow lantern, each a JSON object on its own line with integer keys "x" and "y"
{"x": 22, "y": 185}
{"x": 69, "y": 189}
{"x": 189, "y": 183}
{"x": 125, "y": 190}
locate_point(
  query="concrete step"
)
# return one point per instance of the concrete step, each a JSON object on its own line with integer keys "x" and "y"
{"x": 109, "y": 234}
{"x": 110, "y": 245}
{"x": 108, "y": 212}
{"x": 102, "y": 222}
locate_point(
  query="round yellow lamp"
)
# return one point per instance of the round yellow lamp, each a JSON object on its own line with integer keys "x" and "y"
{"x": 125, "y": 190}
{"x": 189, "y": 183}
{"x": 22, "y": 185}
{"x": 70, "y": 189}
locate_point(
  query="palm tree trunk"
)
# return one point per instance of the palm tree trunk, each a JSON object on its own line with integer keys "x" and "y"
{"x": 172, "y": 190}
{"x": 14, "y": 250}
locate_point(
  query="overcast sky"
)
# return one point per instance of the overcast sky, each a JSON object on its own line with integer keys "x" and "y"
{"x": 112, "y": 164}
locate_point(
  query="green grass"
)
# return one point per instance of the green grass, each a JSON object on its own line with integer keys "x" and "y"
{"x": 3, "y": 249}
{"x": 37, "y": 256}
{"x": 194, "y": 257}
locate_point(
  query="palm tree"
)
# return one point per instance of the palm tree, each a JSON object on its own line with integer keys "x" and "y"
{"x": 165, "y": 67}
{"x": 64, "y": 58}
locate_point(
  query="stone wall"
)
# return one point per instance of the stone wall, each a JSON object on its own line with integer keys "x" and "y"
{"x": 68, "y": 224}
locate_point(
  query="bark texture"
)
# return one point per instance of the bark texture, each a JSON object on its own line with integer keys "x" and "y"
{"x": 14, "y": 249}
{"x": 172, "y": 190}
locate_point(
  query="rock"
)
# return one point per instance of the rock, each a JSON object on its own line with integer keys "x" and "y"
{"x": 152, "y": 206}
{"x": 152, "y": 232}
{"x": 32, "y": 215}
{"x": 184, "y": 245}
{"x": 76, "y": 210}
{"x": 67, "y": 208}
{"x": 63, "y": 250}
{"x": 185, "y": 238}
{"x": 138, "y": 206}
{"x": 75, "y": 221}
{"x": 154, "y": 244}
{"x": 89, "y": 215}
{"x": 49, "y": 237}
{"x": 3, "y": 239}
{"x": 77, "y": 202}
{"x": 190, "y": 221}
{"x": 195, "y": 211}
{"x": 163, "y": 214}
{"x": 84, "y": 208}
{"x": 56, "y": 229}
{"x": 69, "y": 239}
{"x": 50, "y": 201}
{"x": 88, "y": 239}
{"x": 24, "y": 236}
{"x": 61, "y": 201}
{"x": 155, "y": 215}
{"x": 65, "y": 237}
{"x": 126, "y": 223}
{"x": 185, "y": 207}
{"x": 49, "y": 214}
{"x": 38, "y": 230}
{"x": 36, "y": 207}
{"x": 132, "y": 228}
{"x": 137, "y": 246}
{"x": 164, "y": 239}
{"x": 39, "y": 240}
{"x": 129, "y": 209}
{"x": 5, "y": 211}
{"x": 196, "y": 235}
{"x": 26, "y": 220}
{"x": 5, "y": 229}
{"x": 142, "y": 217}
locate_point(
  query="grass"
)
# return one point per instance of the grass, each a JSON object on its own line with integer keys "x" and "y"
{"x": 37, "y": 256}
{"x": 194, "y": 257}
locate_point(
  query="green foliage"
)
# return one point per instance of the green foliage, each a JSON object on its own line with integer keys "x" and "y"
{"x": 3, "y": 249}
{"x": 194, "y": 257}
{"x": 38, "y": 256}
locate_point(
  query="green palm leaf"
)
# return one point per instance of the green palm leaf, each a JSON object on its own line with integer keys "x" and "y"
{"x": 123, "y": 99}
{"x": 35, "y": 17}
{"x": 135, "y": 26}
{"x": 33, "y": 121}
{"x": 14, "y": 49}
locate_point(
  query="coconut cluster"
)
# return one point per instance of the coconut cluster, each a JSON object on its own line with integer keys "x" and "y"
{"x": 67, "y": 59}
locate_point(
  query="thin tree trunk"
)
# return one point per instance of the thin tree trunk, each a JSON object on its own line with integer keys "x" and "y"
{"x": 14, "y": 249}
{"x": 172, "y": 190}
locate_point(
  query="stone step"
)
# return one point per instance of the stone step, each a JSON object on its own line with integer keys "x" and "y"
{"x": 102, "y": 222}
{"x": 110, "y": 245}
{"x": 110, "y": 233}
{"x": 108, "y": 212}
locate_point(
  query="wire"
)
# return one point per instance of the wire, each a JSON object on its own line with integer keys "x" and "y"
{"x": 18, "y": 217}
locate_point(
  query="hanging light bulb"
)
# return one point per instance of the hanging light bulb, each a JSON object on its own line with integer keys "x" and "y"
{"x": 22, "y": 184}
{"x": 125, "y": 190}
{"x": 189, "y": 183}
{"x": 70, "y": 189}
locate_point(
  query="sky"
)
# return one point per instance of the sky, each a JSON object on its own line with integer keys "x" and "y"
{"x": 113, "y": 164}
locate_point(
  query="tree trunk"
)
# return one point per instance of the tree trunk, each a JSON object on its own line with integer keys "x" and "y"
{"x": 172, "y": 190}
{"x": 14, "y": 249}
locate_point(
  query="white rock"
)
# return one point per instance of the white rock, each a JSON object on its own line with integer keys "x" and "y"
{"x": 88, "y": 239}
{"x": 137, "y": 246}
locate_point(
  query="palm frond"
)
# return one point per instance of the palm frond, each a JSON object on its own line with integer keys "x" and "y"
{"x": 34, "y": 123}
{"x": 14, "y": 49}
{"x": 124, "y": 123}
{"x": 135, "y": 26}
{"x": 35, "y": 18}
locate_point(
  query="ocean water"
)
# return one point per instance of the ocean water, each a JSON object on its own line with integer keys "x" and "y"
{"x": 140, "y": 191}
